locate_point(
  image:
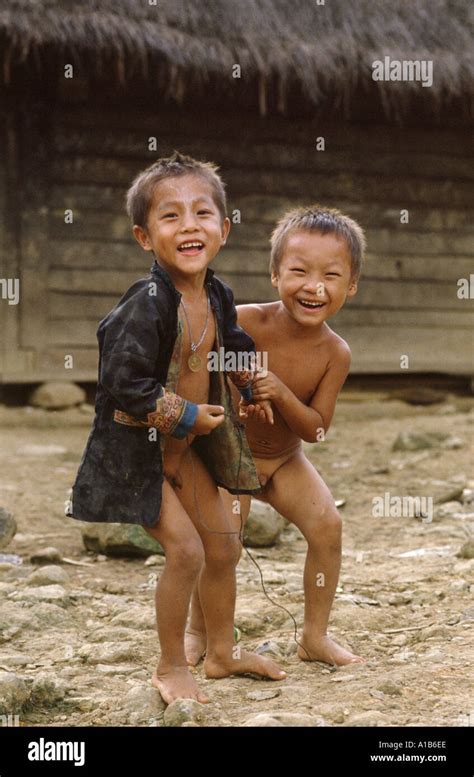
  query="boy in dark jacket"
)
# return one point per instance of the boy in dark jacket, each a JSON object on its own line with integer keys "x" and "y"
{"x": 164, "y": 436}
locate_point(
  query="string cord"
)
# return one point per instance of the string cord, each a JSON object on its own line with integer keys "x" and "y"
{"x": 240, "y": 533}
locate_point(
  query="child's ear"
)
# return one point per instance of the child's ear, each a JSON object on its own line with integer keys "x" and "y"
{"x": 274, "y": 279}
{"x": 142, "y": 238}
{"x": 353, "y": 286}
{"x": 225, "y": 229}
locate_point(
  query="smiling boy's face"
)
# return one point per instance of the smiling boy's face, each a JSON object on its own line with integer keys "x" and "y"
{"x": 314, "y": 277}
{"x": 185, "y": 229}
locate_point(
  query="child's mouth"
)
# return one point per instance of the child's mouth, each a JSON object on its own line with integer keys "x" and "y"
{"x": 311, "y": 305}
{"x": 191, "y": 247}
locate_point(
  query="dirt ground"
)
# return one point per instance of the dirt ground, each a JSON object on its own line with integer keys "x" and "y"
{"x": 411, "y": 616}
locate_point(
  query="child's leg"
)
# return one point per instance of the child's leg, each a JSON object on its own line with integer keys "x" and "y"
{"x": 298, "y": 492}
{"x": 219, "y": 535}
{"x": 184, "y": 557}
{"x": 195, "y": 638}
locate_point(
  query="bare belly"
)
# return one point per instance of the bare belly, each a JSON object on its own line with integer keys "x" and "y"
{"x": 193, "y": 386}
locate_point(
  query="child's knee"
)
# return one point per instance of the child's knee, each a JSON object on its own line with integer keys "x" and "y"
{"x": 328, "y": 527}
{"x": 223, "y": 554}
{"x": 188, "y": 553}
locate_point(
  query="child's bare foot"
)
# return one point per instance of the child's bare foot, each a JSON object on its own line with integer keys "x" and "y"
{"x": 243, "y": 663}
{"x": 177, "y": 683}
{"x": 325, "y": 649}
{"x": 194, "y": 646}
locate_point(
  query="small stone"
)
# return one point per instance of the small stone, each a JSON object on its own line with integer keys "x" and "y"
{"x": 57, "y": 395}
{"x": 108, "y": 652}
{"x": 263, "y": 527}
{"x": 8, "y": 527}
{"x": 269, "y": 646}
{"x": 390, "y": 688}
{"x": 466, "y": 550}
{"x": 43, "y": 593}
{"x": 287, "y": 719}
{"x": 46, "y": 556}
{"x": 14, "y": 693}
{"x": 435, "y": 631}
{"x": 136, "y": 618}
{"x": 17, "y": 659}
{"x": 399, "y": 640}
{"x": 418, "y": 395}
{"x": 47, "y": 690}
{"x": 371, "y": 718}
{"x": 144, "y": 704}
{"x": 182, "y": 711}
{"x": 448, "y": 509}
{"x": 396, "y": 600}
{"x": 416, "y": 441}
{"x": 453, "y": 443}
{"x": 119, "y": 539}
{"x": 467, "y": 496}
{"x": 48, "y": 575}
{"x": 263, "y": 695}
{"x": 154, "y": 560}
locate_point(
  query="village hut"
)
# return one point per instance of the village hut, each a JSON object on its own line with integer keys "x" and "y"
{"x": 313, "y": 100}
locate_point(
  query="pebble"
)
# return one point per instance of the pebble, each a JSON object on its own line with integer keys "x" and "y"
{"x": 56, "y": 395}
{"x": 14, "y": 693}
{"x": 390, "y": 688}
{"x": 286, "y": 719}
{"x": 46, "y": 556}
{"x": 183, "y": 711}
{"x": 48, "y": 575}
{"x": 47, "y": 690}
{"x": 8, "y": 527}
{"x": 263, "y": 527}
{"x": 108, "y": 652}
{"x": 43, "y": 593}
{"x": 371, "y": 718}
{"x": 466, "y": 550}
{"x": 417, "y": 441}
{"x": 144, "y": 704}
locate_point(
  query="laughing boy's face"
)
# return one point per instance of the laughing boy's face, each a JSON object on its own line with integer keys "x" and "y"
{"x": 314, "y": 276}
{"x": 185, "y": 229}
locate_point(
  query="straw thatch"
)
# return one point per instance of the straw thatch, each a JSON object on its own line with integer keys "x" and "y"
{"x": 319, "y": 49}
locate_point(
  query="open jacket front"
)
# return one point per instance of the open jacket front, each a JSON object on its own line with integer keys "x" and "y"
{"x": 120, "y": 476}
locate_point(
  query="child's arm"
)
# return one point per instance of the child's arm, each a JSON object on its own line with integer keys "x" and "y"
{"x": 307, "y": 421}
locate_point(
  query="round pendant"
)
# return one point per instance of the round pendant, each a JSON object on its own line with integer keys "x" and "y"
{"x": 194, "y": 362}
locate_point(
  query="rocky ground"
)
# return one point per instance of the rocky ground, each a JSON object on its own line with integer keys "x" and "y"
{"x": 77, "y": 636}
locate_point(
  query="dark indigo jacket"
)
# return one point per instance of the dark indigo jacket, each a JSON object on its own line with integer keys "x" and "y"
{"x": 121, "y": 471}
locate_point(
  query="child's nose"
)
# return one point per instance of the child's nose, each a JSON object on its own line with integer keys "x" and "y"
{"x": 189, "y": 221}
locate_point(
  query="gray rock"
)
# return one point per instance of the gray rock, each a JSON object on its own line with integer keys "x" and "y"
{"x": 56, "y": 395}
{"x": 419, "y": 395}
{"x": 183, "y": 711}
{"x": 108, "y": 652}
{"x": 287, "y": 719}
{"x": 43, "y": 593}
{"x": 14, "y": 693}
{"x": 467, "y": 496}
{"x": 48, "y": 575}
{"x": 8, "y": 527}
{"x": 46, "y": 556}
{"x": 417, "y": 441}
{"x": 448, "y": 509}
{"x": 47, "y": 690}
{"x": 372, "y": 718}
{"x": 390, "y": 688}
{"x": 144, "y": 704}
{"x": 119, "y": 539}
{"x": 138, "y": 618}
{"x": 466, "y": 550}
{"x": 264, "y": 526}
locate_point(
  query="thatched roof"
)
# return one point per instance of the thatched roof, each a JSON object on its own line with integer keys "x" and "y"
{"x": 322, "y": 49}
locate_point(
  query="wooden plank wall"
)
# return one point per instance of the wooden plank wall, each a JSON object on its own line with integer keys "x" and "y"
{"x": 407, "y": 302}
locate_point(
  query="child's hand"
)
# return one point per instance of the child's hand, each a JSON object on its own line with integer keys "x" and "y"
{"x": 262, "y": 411}
{"x": 208, "y": 418}
{"x": 267, "y": 387}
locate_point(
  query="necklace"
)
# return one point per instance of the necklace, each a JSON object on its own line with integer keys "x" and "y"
{"x": 195, "y": 361}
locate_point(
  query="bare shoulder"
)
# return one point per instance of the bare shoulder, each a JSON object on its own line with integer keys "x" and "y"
{"x": 338, "y": 349}
{"x": 256, "y": 314}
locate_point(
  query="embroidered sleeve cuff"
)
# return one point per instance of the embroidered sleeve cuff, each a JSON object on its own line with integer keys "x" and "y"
{"x": 187, "y": 420}
{"x": 173, "y": 415}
